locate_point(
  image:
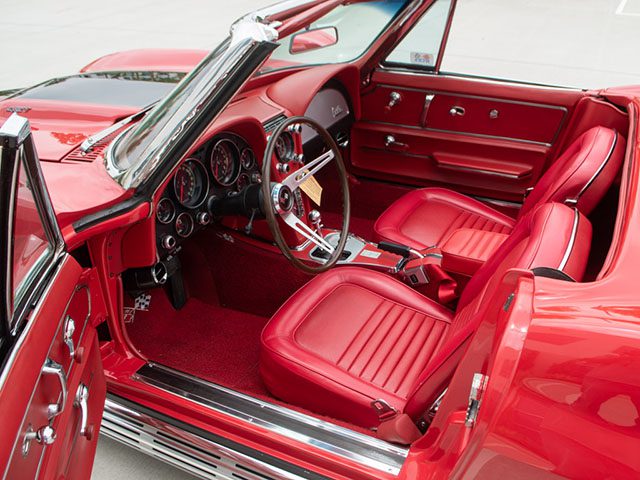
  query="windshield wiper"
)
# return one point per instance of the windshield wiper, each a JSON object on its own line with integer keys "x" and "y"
{"x": 88, "y": 144}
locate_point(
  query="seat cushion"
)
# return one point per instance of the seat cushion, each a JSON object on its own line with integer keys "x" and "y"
{"x": 427, "y": 217}
{"x": 349, "y": 337}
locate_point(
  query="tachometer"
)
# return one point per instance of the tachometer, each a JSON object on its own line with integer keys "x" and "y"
{"x": 225, "y": 162}
{"x": 184, "y": 225}
{"x": 284, "y": 147}
{"x": 166, "y": 211}
{"x": 191, "y": 184}
{"x": 247, "y": 159}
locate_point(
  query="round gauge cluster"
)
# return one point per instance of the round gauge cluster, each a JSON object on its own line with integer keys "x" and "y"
{"x": 226, "y": 166}
{"x": 285, "y": 147}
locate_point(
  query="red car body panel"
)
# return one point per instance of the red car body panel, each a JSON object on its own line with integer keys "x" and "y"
{"x": 151, "y": 60}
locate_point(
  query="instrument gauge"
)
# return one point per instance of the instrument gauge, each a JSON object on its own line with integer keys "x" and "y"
{"x": 284, "y": 147}
{"x": 184, "y": 225}
{"x": 166, "y": 211}
{"x": 225, "y": 162}
{"x": 243, "y": 182}
{"x": 191, "y": 184}
{"x": 247, "y": 159}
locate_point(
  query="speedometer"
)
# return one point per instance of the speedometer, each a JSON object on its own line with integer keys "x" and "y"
{"x": 225, "y": 162}
{"x": 191, "y": 184}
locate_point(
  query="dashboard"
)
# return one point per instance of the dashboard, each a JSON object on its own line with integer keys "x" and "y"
{"x": 227, "y": 164}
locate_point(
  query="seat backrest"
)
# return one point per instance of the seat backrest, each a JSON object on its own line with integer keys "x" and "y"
{"x": 551, "y": 235}
{"x": 583, "y": 173}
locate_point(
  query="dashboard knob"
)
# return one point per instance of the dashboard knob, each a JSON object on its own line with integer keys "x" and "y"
{"x": 299, "y": 158}
{"x": 295, "y": 128}
{"x": 168, "y": 242}
{"x": 204, "y": 218}
{"x": 283, "y": 167}
{"x": 256, "y": 177}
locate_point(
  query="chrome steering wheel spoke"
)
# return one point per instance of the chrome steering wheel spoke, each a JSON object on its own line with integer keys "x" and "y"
{"x": 298, "y": 177}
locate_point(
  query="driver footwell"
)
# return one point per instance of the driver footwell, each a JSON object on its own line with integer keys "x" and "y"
{"x": 212, "y": 342}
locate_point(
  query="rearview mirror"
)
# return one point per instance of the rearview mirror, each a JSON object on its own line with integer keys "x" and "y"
{"x": 313, "y": 40}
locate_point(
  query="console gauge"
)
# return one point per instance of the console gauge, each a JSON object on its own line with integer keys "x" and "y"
{"x": 191, "y": 184}
{"x": 184, "y": 225}
{"x": 166, "y": 211}
{"x": 284, "y": 147}
{"x": 247, "y": 159}
{"x": 243, "y": 182}
{"x": 225, "y": 162}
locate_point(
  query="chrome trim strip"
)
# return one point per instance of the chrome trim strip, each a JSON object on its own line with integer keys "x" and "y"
{"x": 185, "y": 450}
{"x": 476, "y": 79}
{"x": 572, "y": 241}
{"x": 311, "y": 431}
{"x": 474, "y": 135}
{"x": 600, "y": 168}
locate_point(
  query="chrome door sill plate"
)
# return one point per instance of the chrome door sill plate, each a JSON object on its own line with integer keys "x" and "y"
{"x": 185, "y": 447}
{"x": 340, "y": 441}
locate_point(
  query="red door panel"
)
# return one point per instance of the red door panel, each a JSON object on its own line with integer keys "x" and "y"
{"x": 468, "y": 135}
{"x": 42, "y": 367}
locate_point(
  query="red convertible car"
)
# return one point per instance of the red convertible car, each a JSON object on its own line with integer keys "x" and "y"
{"x": 316, "y": 252}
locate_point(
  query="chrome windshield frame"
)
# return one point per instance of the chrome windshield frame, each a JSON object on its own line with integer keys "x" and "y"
{"x": 214, "y": 71}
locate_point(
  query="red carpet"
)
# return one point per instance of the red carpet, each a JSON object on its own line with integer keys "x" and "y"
{"x": 207, "y": 341}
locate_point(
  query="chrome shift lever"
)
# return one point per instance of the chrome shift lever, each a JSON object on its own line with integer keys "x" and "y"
{"x": 316, "y": 220}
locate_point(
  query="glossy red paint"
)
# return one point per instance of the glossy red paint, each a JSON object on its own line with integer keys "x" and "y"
{"x": 154, "y": 60}
{"x": 59, "y": 127}
{"x": 74, "y": 293}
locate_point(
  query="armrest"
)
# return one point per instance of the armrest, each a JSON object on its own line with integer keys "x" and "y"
{"x": 466, "y": 250}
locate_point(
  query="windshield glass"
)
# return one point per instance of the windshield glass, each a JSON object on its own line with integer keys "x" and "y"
{"x": 149, "y": 135}
{"x": 340, "y": 36}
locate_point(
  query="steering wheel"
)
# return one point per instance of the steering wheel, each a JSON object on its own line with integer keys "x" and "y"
{"x": 279, "y": 197}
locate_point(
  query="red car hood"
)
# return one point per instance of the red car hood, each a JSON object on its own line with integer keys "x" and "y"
{"x": 64, "y": 112}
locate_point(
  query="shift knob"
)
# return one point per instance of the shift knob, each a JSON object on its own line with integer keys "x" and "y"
{"x": 316, "y": 220}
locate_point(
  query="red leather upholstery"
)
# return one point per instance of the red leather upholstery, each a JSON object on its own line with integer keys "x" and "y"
{"x": 584, "y": 172}
{"x": 426, "y": 217}
{"x": 467, "y": 249}
{"x": 352, "y": 335}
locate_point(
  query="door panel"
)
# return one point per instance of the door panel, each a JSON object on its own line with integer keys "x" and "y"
{"x": 71, "y": 453}
{"x": 52, "y": 387}
{"x": 464, "y": 134}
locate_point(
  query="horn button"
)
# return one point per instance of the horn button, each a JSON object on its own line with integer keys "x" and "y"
{"x": 283, "y": 198}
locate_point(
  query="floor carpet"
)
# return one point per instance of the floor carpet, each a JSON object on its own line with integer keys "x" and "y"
{"x": 208, "y": 341}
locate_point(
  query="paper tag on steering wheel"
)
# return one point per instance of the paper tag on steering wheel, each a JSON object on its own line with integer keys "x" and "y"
{"x": 313, "y": 189}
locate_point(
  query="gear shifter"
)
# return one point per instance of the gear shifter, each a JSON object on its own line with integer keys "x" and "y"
{"x": 316, "y": 220}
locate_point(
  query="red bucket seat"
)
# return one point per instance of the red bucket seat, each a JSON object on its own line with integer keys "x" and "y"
{"x": 583, "y": 174}
{"x": 352, "y": 336}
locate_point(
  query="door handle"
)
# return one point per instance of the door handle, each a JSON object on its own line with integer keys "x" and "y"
{"x": 53, "y": 368}
{"x": 67, "y": 336}
{"x": 81, "y": 402}
{"x": 390, "y": 141}
{"x": 457, "y": 111}
{"x": 394, "y": 99}
{"x": 44, "y": 436}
